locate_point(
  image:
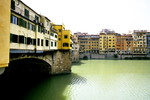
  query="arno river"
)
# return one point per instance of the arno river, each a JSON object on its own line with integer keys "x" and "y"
{"x": 90, "y": 80}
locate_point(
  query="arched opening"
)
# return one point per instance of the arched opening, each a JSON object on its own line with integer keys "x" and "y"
{"x": 28, "y": 67}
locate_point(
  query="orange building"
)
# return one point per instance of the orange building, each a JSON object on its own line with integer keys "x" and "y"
{"x": 124, "y": 44}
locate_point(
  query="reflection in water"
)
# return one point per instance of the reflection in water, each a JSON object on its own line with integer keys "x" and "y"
{"x": 90, "y": 80}
{"x": 53, "y": 88}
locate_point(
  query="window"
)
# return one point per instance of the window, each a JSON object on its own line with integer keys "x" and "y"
{"x": 59, "y": 30}
{"x": 26, "y": 13}
{"x": 25, "y": 40}
{"x": 52, "y": 34}
{"x": 33, "y": 28}
{"x": 29, "y": 40}
{"x": 25, "y": 24}
{"x": 37, "y": 19}
{"x": 41, "y": 42}
{"x": 46, "y": 42}
{"x": 21, "y": 39}
{"x": 55, "y": 44}
{"x": 14, "y": 19}
{"x": 13, "y": 4}
{"x": 38, "y": 42}
{"x": 59, "y": 39}
{"x": 30, "y": 26}
{"x": 42, "y": 30}
{"x": 34, "y": 41}
{"x": 39, "y": 28}
{"x": 13, "y": 38}
{"x": 55, "y": 36}
{"x": 51, "y": 44}
{"x": 70, "y": 45}
{"x": 65, "y": 44}
{"x": 65, "y": 36}
{"x": 22, "y": 23}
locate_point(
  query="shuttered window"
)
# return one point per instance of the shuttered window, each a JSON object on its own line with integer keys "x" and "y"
{"x": 26, "y": 13}
{"x": 21, "y": 39}
{"x": 13, "y": 4}
{"x": 13, "y": 38}
{"x": 38, "y": 42}
{"x": 46, "y": 43}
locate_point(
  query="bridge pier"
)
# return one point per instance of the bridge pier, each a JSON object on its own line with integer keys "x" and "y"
{"x": 61, "y": 62}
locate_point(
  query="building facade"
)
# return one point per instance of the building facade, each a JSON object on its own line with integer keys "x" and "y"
{"x": 107, "y": 42}
{"x": 84, "y": 42}
{"x": 75, "y": 49}
{"x": 139, "y": 42}
{"x": 64, "y": 37}
{"x": 94, "y": 44}
{"x": 35, "y": 33}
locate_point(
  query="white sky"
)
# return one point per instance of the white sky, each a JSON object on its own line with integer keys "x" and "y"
{"x": 94, "y": 15}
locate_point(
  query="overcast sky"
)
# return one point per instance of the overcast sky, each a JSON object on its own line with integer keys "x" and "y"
{"x": 94, "y": 15}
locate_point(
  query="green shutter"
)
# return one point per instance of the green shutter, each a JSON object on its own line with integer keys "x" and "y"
{"x": 25, "y": 24}
{"x": 28, "y": 25}
{"x": 11, "y": 18}
{"x": 21, "y": 22}
{"x": 11, "y": 37}
{"x": 35, "y": 28}
{"x": 18, "y": 21}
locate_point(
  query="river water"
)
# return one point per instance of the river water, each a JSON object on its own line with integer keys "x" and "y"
{"x": 90, "y": 80}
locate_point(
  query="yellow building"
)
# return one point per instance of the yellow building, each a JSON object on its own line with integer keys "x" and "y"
{"x": 4, "y": 33}
{"x": 64, "y": 37}
{"x": 107, "y": 42}
{"x": 103, "y": 43}
{"x": 84, "y": 42}
{"x": 94, "y": 44}
{"x": 111, "y": 41}
{"x": 139, "y": 42}
{"x": 88, "y": 43}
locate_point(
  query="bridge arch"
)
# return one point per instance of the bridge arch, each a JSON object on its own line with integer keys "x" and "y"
{"x": 28, "y": 67}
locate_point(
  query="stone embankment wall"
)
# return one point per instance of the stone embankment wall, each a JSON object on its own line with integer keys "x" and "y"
{"x": 111, "y": 56}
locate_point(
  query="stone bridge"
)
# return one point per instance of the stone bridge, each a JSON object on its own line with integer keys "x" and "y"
{"x": 51, "y": 62}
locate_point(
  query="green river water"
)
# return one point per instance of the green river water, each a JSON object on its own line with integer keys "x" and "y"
{"x": 92, "y": 80}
